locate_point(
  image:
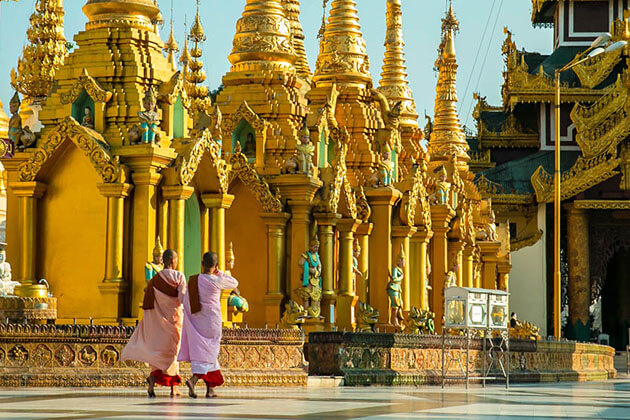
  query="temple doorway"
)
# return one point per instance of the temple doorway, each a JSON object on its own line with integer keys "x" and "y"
{"x": 615, "y": 295}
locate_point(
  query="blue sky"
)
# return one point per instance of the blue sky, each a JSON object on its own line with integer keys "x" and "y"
{"x": 421, "y": 22}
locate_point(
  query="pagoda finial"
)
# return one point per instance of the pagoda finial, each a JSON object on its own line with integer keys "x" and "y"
{"x": 447, "y": 138}
{"x": 263, "y": 35}
{"x": 45, "y": 52}
{"x": 184, "y": 58}
{"x": 394, "y": 84}
{"x": 171, "y": 47}
{"x": 292, "y": 10}
{"x": 342, "y": 52}
{"x": 195, "y": 76}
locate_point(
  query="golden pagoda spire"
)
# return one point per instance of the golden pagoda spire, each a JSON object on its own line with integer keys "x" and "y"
{"x": 447, "y": 138}
{"x": 195, "y": 76}
{"x": 342, "y": 52}
{"x": 259, "y": 40}
{"x": 292, "y": 10}
{"x": 45, "y": 52}
{"x": 394, "y": 84}
{"x": 171, "y": 47}
{"x": 184, "y": 58}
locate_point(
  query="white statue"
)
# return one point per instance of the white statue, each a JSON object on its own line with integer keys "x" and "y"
{"x": 6, "y": 284}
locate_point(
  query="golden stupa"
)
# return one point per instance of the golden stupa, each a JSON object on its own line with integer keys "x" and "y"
{"x": 284, "y": 161}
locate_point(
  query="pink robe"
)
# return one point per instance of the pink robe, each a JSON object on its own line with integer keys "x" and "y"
{"x": 157, "y": 337}
{"x": 201, "y": 335}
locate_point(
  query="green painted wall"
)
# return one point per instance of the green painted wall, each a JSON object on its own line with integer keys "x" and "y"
{"x": 192, "y": 237}
{"x": 178, "y": 118}
{"x": 78, "y": 107}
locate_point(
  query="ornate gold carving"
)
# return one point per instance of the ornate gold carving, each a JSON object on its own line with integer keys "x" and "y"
{"x": 363, "y": 207}
{"x": 584, "y": 174}
{"x": 624, "y": 155}
{"x": 594, "y": 71}
{"x": 89, "y": 142}
{"x": 257, "y": 185}
{"x": 602, "y": 204}
{"x": 205, "y": 145}
{"x": 367, "y": 317}
{"x": 91, "y": 87}
{"x": 603, "y": 138}
{"x": 45, "y": 52}
{"x": 29, "y": 308}
{"x": 511, "y": 134}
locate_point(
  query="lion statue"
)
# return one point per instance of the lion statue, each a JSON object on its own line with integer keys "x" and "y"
{"x": 368, "y": 317}
{"x": 294, "y": 315}
{"x": 420, "y": 321}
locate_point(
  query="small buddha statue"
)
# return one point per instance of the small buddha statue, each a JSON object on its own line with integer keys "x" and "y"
{"x": 394, "y": 288}
{"x": 156, "y": 265}
{"x": 356, "y": 253}
{"x": 88, "y": 119}
{"x": 311, "y": 289}
{"x": 148, "y": 129}
{"x": 235, "y": 301}
{"x": 7, "y": 285}
{"x": 249, "y": 150}
{"x": 385, "y": 172}
{"x": 305, "y": 152}
{"x": 491, "y": 228}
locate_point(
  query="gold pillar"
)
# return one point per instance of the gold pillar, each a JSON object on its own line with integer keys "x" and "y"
{"x": 363, "y": 236}
{"x": 418, "y": 252}
{"x": 441, "y": 216}
{"x": 468, "y": 267}
{"x": 27, "y": 193}
{"x": 347, "y": 298}
{"x": 217, "y": 204}
{"x": 579, "y": 288}
{"x": 116, "y": 195}
{"x": 326, "y": 231}
{"x": 276, "y": 265}
{"x": 381, "y": 202}
{"x": 489, "y": 259}
{"x": 401, "y": 235}
{"x": 162, "y": 216}
{"x": 176, "y": 195}
{"x": 205, "y": 229}
{"x": 503, "y": 269}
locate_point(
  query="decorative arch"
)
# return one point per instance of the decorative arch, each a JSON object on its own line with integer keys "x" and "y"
{"x": 255, "y": 183}
{"x": 606, "y": 241}
{"x": 244, "y": 112}
{"x": 88, "y": 141}
{"x": 86, "y": 83}
{"x": 189, "y": 164}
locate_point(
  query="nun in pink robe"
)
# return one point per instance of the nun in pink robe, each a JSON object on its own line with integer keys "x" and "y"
{"x": 156, "y": 339}
{"x": 201, "y": 334}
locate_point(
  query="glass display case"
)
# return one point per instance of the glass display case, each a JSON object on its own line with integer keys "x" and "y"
{"x": 466, "y": 307}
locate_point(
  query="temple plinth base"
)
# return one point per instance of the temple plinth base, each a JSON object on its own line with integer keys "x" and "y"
{"x": 31, "y": 309}
{"x": 313, "y": 325}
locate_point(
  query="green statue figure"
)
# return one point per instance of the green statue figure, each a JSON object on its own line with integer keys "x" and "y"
{"x": 311, "y": 290}
{"x": 394, "y": 289}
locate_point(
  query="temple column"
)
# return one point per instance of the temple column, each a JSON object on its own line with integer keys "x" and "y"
{"x": 176, "y": 195}
{"x": 326, "y": 230}
{"x": 418, "y": 252}
{"x": 276, "y": 265}
{"x": 489, "y": 259}
{"x": 363, "y": 232}
{"x": 216, "y": 205}
{"x": 579, "y": 288}
{"x": 503, "y": 269}
{"x": 204, "y": 217}
{"x": 401, "y": 235}
{"x": 146, "y": 161}
{"x": 381, "y": 202}
{"x": 468, "y": 267}
{"x": 441, "y": 216}
{"x": 347, "y": 298}
{"x": 116, "y": 195}
{"x": 162, "y": 220}
{"x": 27, "y": 193}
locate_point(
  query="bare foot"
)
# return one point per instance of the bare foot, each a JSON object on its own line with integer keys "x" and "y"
{"x": 210, "y": 393}
{"x": 151, "y": 386}
{"x": 175, "y": 392}
{"x": 191, "y": 389}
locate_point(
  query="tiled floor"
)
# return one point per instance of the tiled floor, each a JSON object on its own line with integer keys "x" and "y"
{"x": 604, "y": 400}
